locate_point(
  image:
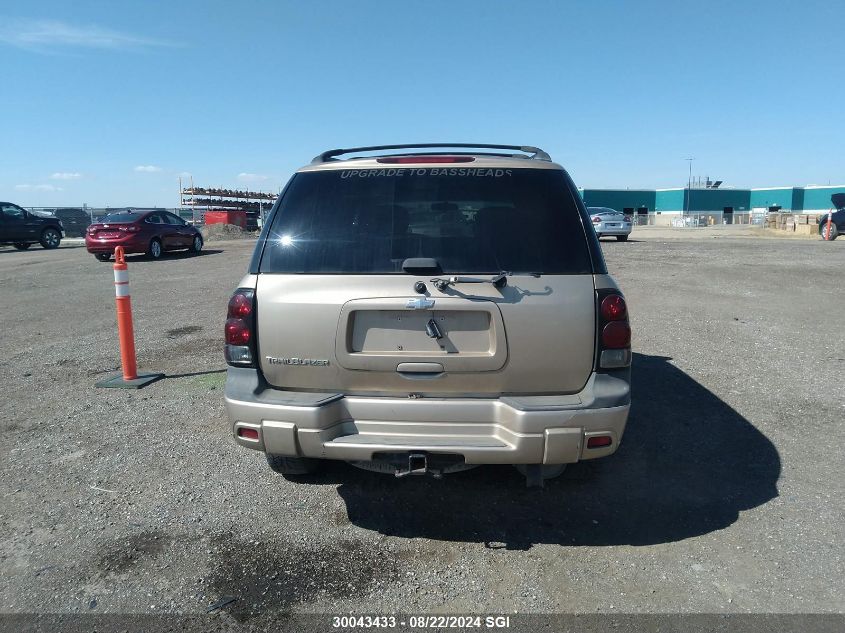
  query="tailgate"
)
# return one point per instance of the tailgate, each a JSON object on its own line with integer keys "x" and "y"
{"x": 374, "y": 335}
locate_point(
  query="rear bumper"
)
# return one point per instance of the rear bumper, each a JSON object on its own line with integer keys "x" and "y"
{"x": 613, "y": 230}
{"x": 130, "y": 244}
{"x": 507, "y": 430}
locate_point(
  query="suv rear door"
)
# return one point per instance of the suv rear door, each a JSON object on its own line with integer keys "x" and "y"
{"x": 336, "y": 310}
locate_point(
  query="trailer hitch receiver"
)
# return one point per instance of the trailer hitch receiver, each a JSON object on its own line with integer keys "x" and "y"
{"x": 417, "y": 465}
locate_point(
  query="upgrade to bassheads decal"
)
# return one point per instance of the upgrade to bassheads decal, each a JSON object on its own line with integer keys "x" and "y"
{"x": 428, "y": 171}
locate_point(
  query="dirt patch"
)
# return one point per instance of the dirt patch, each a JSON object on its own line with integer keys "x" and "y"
{"x": 214, "y": 232}
{"x": 271, "y": 578}
{"x": 124, "y": 555}
{"x": 182, "y": 331}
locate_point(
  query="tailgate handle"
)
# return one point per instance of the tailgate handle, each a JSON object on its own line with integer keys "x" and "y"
{"x": 433, "y": 331}
{"x": 420, "y": 370}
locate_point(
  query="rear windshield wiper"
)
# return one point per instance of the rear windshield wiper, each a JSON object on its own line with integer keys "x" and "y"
{"x": 498, "y": 281}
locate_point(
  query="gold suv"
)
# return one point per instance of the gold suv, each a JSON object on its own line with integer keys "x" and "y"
{"x": 423, "y": 309}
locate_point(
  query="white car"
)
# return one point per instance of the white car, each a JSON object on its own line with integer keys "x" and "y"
{"x": 608, "y": 221}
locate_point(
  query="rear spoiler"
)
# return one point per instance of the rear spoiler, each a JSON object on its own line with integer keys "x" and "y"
{"x": 535, "y": 152}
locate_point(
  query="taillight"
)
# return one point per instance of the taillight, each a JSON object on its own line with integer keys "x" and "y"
{"x": 614, "y": 332}
{"x": 613, "y": 308}
{"x": 409, "y": 160}
{"x": 240, "y": 306}
{"x": 238, "y": 332}
{"x": 596, "y": 219}
{"x": 616, "y": 335}
{"x": 627, "y": 218}
{"x": 240, "y": 328}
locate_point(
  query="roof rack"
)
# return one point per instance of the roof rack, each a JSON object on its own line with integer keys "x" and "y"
{"x": 536, "y": 152}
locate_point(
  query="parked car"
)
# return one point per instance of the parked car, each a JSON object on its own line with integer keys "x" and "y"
{"x": 150, "y": 232}
{"x": 22, "y": 229}
{"x": 74, "y": 219}
{"x": 837, "y": 225}
{"x": 608, "y": 221}
{"x": 428, "y": 313}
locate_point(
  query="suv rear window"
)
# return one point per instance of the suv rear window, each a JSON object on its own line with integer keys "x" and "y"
{"x": 470, "y": 220}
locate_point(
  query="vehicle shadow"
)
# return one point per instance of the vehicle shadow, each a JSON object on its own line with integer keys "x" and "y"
{"x": 688, "y": 465}
{"x": 195, "y": 373}
{"x": 172, "y": 255}
{"x": 38, "y": 249}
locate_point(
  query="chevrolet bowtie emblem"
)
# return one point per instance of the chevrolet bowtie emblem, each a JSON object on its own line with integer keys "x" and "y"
{"x": 420, "y": 303}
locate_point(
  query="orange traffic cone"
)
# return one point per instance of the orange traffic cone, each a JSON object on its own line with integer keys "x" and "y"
{"x": 130, "y": 379}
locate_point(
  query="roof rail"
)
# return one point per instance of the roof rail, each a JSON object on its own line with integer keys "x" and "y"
{"x": 536, "y": 152}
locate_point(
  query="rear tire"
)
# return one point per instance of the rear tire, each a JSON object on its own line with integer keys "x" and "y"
{"x": 834, "y": 232}
{"x": 293, "y": 465}
{"x": 154, "y": 250}
{"x": 196, "y": 245}
{"x": 21, "y": 246}
{"x": 50, "y": 238}
{"x": 621, "y": 238}
{"x": 103, "y": 257}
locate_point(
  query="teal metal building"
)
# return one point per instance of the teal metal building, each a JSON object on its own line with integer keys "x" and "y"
{"x": 778, "y": 199}
{"x": 621, "y": 199}
{"x": 817, "y": 198}
{"x": 669, "y": 200}
{"x": 810, "y": 199}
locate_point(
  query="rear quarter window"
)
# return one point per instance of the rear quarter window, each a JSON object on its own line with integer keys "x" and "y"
{"x": 471, "y": 220}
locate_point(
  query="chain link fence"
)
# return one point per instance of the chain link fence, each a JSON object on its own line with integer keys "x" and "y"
{"x": 696, "y": 219}
{"x": 76, "y": 219}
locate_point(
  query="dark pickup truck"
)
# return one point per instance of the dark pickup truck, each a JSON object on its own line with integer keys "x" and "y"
{"x": 837, "y": 220}
{"x": 22, "y": 229}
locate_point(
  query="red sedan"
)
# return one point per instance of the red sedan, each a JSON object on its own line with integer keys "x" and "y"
{"x": 150, "y": 232}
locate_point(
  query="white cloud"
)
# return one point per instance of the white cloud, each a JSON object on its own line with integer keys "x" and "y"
{"x": 38, "y": 188}
{"x": 245, "y": 177}
{"x": 148, "y": 168}
{"x": 53, "y": 34}
{"x": 66, "y": 175}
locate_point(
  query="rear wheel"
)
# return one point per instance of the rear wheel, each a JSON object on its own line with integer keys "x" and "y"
{"x": 154, "y": 249}
{"x": 293, "y": 465}
{"x": 547, "y": 471}
{"x": 21, "y": 246}
{"x": 621, "y": 238}
{"x": 196, "y": 245}
{"x": 103, "y": 257}
{"x": 50, "y": 238}
{"x": 834, "y": 232}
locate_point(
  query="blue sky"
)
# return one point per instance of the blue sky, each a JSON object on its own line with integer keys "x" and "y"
{"x": 108, "y": 102}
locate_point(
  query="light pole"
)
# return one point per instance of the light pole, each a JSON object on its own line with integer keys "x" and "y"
{"x": 689, "y": 186}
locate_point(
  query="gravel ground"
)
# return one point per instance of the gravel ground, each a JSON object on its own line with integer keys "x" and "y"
{"x": 726, "y": 496}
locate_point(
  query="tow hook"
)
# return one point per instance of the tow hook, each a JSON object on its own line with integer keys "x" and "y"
{"x": 418, "y": 465}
